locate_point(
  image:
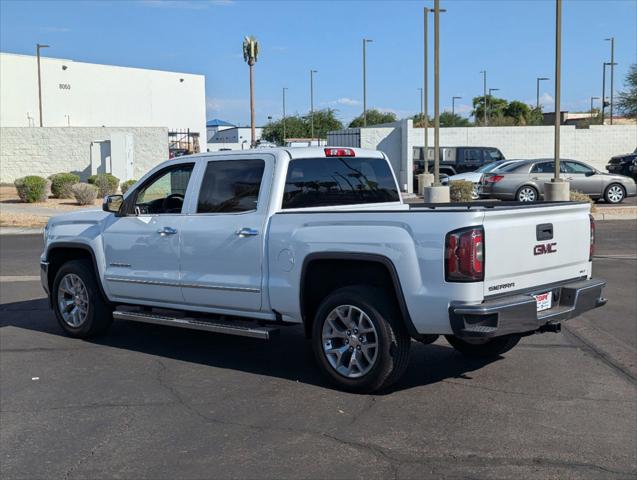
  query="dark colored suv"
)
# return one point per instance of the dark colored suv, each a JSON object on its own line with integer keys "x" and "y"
{"x": 623, "y": 165}
{"x": 454, "y": 160}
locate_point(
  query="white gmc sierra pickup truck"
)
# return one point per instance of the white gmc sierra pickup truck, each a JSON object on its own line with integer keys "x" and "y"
{"x": 248, "y": 242}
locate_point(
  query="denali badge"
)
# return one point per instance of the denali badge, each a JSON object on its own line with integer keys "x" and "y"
{"x": 544, "y": 248}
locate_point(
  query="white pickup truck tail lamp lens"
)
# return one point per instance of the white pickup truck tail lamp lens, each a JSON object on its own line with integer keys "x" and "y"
{"x": 592, "y": 247}
{"x": 464, "y": 255}
{"x": 339, "y": 152}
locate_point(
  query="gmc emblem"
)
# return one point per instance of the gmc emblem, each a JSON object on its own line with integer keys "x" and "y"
{"x": 544, "y": 248}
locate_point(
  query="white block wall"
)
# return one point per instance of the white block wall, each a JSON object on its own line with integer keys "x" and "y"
{"x": 48, "y": 150}
{"x": 594, "y": 145}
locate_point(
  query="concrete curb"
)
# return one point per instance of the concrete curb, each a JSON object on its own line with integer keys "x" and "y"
{"x": 21, "y": 231}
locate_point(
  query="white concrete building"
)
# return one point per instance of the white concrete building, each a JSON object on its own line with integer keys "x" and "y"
{"x": 79, "y": 94}
{"x": 215, "y": 125}
{"x": 594, "y": 145}
{"x": 233, "y": 138}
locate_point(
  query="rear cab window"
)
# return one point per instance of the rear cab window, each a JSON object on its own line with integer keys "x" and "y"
{"x": 322, "y": 182}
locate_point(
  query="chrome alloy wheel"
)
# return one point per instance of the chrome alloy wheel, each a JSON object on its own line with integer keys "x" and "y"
{"x": 615, "y": 193}
{"x": 73, "y": 300}
{"x": 527, "y": 194}
{"x": 350, "y": 341}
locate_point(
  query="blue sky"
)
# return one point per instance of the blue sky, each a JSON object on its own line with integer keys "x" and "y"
{"x": 512, "y": 40}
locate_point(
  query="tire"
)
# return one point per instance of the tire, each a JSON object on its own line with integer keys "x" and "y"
{"x": 614, "y": 193}
{"x": 428, "y": 339}
{"x": 75, "y": 287}
{"x": 376, "y": 367}
{"x": 489, "y": 348}
{"x": 527, "y": 193}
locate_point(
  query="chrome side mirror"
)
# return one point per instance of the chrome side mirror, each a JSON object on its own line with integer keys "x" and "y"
{"x": 112, "y": 203}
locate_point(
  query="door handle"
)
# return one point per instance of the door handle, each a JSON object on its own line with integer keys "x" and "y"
{"x": 247, "y": 232}
{"x": 166, "y": 231}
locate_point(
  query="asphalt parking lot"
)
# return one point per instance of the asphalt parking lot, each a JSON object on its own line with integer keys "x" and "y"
{"x": 160, "y": 403}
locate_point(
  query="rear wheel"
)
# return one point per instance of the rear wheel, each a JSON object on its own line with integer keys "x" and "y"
{"x": 614, "y": 193}
{"x": 359, "y": 340}
{"x": 527, "y": 193}
{"x": 483, "y": 347}
{"x": 80, "y": 309}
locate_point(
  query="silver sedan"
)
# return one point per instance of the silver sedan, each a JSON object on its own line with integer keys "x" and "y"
{"x": 524, "y": 181}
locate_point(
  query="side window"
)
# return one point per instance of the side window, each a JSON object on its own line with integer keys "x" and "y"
{"x": 472, "y": 156}
{"x": 318, "y": 182}
{"x": 230, "y": 186}
{"x": 164, "y": 192}
{"x": 544, "y": 167}
{"x": 574, "y": 167}
{"x": 493, "y": 154}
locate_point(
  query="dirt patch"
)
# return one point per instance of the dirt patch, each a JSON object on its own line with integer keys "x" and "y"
{"x": 21, "y": 220}
{"x": 8, "y": 195}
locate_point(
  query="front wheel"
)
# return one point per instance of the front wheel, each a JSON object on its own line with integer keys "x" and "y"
{"x": 614, "y": 193}
{"x": 79, "y": 306}
{"x": 359, "y": 340}
{"x": 483, "y": 347}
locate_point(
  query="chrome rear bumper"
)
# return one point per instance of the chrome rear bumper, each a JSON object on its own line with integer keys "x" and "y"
{"x": 518, "y": 313}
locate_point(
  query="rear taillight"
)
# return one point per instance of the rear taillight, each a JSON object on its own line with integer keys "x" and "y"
{"x": 464, "y": 255}
{"x": 493, "y": 178}
{"x": 591, "y": 250}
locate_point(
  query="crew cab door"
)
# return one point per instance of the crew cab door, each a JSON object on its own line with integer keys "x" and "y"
{"x": 141, "y": 245}
{"x": 222, "y": 240}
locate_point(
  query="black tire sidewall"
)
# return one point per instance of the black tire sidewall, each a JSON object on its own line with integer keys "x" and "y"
{"x": 494, "y": 347}
{"x": 363, "y": 299}
{"x": 99, "y": 312}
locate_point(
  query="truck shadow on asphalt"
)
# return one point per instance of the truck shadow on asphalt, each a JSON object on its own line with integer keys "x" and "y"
{"x": 288, "y": 356}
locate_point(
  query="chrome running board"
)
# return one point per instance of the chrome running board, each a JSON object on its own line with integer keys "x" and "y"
{"x": 240, "y": 328}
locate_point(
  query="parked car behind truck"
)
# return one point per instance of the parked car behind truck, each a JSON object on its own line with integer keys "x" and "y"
{"x": 249, "y": 242}
{"x": 524, "y": 181}
{"x": 623, "y": 164}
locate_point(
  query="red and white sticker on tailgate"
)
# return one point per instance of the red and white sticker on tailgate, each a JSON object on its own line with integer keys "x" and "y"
{"x": 544, "y": 301}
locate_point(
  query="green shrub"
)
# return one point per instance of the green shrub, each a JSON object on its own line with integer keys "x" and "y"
{"x": 84, "y": 193}
{"x": 126, "y": 185}
{"x": 460, "y": 191}
{"x": 61, "y": 184}
{"x": 32, "y": 188}
{"x": 106, "y": 183}
{"x": 576, "y": 196}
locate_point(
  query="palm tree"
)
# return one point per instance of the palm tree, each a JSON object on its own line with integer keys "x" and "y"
{"x": 250, "y": 53}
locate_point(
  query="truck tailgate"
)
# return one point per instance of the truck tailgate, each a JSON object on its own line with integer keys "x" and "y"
{"x": 531, "y": 247}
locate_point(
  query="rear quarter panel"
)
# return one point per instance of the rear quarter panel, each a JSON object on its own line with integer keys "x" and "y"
{"x": 412, "y": 240}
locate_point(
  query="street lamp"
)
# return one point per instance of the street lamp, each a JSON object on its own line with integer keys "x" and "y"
{"x": 537, "y": 91}
{"x": 312, "y": 72}
{"x": 558, "y": 77}
{"x": 593, "y": 98}
{"x": 453, "y": 110}
{"x": 612, "y": 71}
{"x": 365, "y": 42}
{"x": 421, "y": 103}
{"x": 38, "y": 47}
{"x": 284, "y": 89}
{"x": 484, "y": 90}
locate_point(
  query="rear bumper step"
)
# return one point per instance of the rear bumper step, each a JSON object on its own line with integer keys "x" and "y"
{"x": 518, "y": 313}
{"x": 240, "y": 328}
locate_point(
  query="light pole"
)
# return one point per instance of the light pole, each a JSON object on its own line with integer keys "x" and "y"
{"x": 284, "y": 89}
{"x": 421, "y": 104}
{"x": 612, "y": 71}
{"x": 537, "y": 91}
{"x": 436, "y": 93}
{"x": 484, "y": 90}
{"x": 453, "y": 110}
{"x": 38, "y": 47}
{"x": 312, "y": 72}
{"x": 593, "y": 98}
{"x": 365, "y": 42}
{"x": 426, "y": 82}
{"x": 492, "y": 90}
{"x": 558, "y": 77}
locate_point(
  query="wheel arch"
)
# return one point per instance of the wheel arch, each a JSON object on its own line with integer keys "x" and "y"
{"x": 341, "y": 269}
{"x": 59, "y": 253}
